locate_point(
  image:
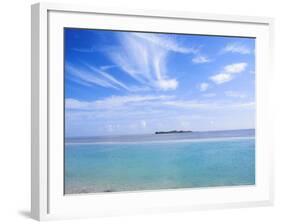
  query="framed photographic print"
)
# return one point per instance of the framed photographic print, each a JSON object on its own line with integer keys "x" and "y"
{"x": 143, "y": 111}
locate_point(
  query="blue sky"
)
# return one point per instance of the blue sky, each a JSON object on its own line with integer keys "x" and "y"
{"x": 136, "y": 83}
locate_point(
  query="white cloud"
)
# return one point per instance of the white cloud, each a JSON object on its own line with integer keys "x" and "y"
{"x": 235, "y": 68}
{"x": 235, "y": 94}
{"x": 118, "y": 101}
{"x": 145, "y": 114}
{"x": 221, "y": 78}
{"x": 170, "y": 84}
{"x": 203, "y": 86}
{"x": 134, "y": 102}
{"x": 236, "y": 48}
{"x": 188, "y": 104}
{"x": 112, "y": 102}
{"x": 228, "y": 73}
{"x": 185, "y": 104}
{"x": 143, "y": 123}
{"x": 200, "y": 59}
{"x": 76, "y": 104}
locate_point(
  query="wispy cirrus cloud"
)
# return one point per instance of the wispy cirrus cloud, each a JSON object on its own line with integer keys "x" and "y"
{"x": 83, "y": 76}
{"x": 89, "y": 75}
{"x": 236, "y": 48}
{"x": 166, "y": 42}
{"x": 228, "y": 72}
{"x": 143, "y": 56}
{"x": 107, "y": 67}
{"x": 108, "y": 77}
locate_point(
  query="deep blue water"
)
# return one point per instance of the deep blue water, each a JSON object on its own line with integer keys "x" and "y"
{"x": 149, "y": 162}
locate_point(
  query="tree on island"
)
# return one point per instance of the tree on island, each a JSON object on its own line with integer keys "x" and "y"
{"x": 172, "y": 132}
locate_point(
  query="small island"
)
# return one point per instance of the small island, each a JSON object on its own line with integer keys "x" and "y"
{"x": 171, "y": 132}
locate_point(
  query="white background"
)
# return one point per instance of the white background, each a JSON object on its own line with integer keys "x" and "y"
{"x": 15, "y": 111}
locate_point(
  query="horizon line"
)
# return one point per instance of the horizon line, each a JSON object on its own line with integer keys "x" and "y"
{"x": 153, "y": 133}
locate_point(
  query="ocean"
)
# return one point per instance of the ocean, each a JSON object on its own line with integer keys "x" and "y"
{"x": 164, "y": 161}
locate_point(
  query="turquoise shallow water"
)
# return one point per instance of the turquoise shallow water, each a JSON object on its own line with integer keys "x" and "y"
{"x": 168, "y": 164}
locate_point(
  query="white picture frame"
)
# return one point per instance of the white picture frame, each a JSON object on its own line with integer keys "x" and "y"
{"x": 47, "y": 198}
